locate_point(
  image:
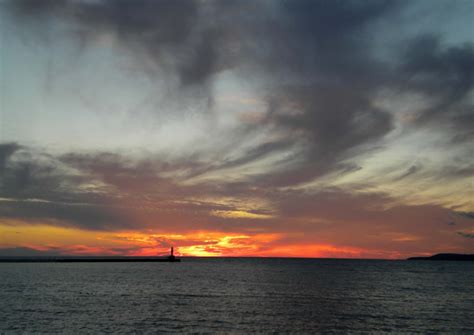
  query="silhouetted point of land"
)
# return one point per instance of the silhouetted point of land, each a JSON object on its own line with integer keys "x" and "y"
{"x": 445, "y": 257}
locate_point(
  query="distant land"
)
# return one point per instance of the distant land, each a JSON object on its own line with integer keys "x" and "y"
{"x": 445, "y": 257}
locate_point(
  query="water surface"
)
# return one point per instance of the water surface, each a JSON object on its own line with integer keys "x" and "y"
{"x": 238, "y": 296}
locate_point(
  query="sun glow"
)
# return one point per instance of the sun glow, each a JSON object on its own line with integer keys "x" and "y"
{"x": 50, "y": 240}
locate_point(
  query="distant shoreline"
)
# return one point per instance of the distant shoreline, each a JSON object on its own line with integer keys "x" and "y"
{"x": 444, "y": 257}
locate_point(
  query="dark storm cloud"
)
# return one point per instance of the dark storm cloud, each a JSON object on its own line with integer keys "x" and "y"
{"x": 319, "y": 51}
{"x": 132, "y": 176}
{"x": 38, "y": 187}
{"x": 446, "y": 76}
{"x": 97, "y": 191}
{"x": 322, "y": 74}
{"x": 130, "y": 194}
{"x": 324, "y": 38}
{"x": 332, "y": 119}
{"x": 6, "y": 150}
{"x": 27, "y": 173}
{"x": 168, "y": 31}
{"x": 17, "y": 177}
{"x": 86, "y": 216}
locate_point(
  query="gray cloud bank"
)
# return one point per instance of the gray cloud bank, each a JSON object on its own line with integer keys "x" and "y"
{"x": 110, "y": 192}
{"x": 317, "y": 63}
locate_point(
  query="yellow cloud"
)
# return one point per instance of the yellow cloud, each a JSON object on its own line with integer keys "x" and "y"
{"x": 240, "y": 215}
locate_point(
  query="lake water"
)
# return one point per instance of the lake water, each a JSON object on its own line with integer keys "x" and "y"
{"x": 238, "y": 296}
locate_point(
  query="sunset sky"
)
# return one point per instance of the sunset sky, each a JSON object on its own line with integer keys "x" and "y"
{"x": 237, "y": 127}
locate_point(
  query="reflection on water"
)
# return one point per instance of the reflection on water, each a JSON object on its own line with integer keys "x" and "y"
{"x": 238, "y": 295}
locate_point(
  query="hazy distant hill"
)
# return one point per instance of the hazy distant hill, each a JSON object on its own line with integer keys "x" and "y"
{"x": 445, "y": 257}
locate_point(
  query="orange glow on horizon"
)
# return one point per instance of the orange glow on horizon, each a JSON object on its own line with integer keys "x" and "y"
{"x": 72, "y": 241}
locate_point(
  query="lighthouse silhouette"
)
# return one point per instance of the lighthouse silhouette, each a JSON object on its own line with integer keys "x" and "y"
{"x": 171, "y": 256}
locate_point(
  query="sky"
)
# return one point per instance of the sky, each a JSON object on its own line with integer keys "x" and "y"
{"x": 237, "y": 128}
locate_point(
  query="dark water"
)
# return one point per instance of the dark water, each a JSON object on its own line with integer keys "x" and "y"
{"x": 238, "y": 296}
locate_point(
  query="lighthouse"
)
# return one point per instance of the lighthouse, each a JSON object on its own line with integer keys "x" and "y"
{"x": 171, "y": 256}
